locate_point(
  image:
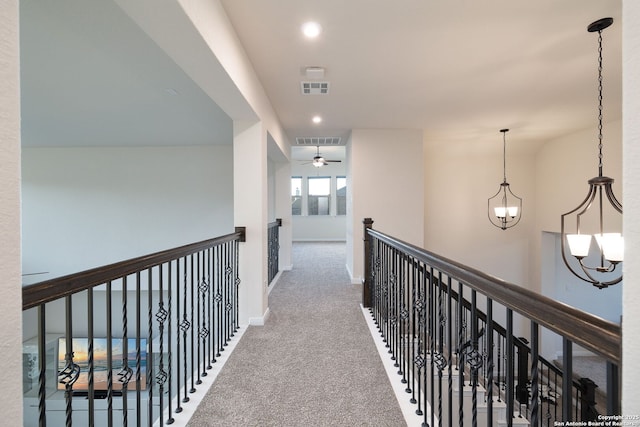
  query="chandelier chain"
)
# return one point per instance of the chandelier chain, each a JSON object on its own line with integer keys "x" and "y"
{"x": 504, "y": 155}
{"x": 600, "y": 103}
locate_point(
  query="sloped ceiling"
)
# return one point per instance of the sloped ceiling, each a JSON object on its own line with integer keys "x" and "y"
{"x": 91, "y": 77}
{"x": 458, "y": 70}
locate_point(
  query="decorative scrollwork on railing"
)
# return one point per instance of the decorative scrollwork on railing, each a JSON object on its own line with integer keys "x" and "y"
{"x": 393, "y": 320}
{"x": 161, "y": 377}
{"x": 419, "y": 361}
{"x": 473, "y": 358}
{"x": 70, "y": 373}
{"x": 185, "y": 325}
{"x": 440, "y": 361}
{"x": 203, "y": 287}
{"x": 203, "y": 332}
{"x": 161, "y": 314}
{"x": 125, "y": 374}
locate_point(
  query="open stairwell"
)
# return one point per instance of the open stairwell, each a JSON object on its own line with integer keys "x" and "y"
{"x": 443, "y": 394}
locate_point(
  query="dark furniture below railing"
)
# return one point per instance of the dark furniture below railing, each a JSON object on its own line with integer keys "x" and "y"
{"x": 450, "y": 331}
{"x": 273, "y": 250}
{"x": 164, "y": 319}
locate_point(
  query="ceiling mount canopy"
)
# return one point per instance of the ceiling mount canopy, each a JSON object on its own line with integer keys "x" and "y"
{"x": 504, "y": 208}
{"x": 601, "y": 269}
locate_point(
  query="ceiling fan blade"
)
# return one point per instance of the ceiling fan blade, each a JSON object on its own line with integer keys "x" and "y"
{"x": 334, "y": 161}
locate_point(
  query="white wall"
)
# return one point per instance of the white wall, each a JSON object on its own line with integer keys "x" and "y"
{"x": 10, "y": 288}
{"x": 86, "y": 207}
{"x": 386, "y": 179}
{"x": 319, "y": 227}
{"x": 631, "y": 203}
{"x": 460, "y": 176}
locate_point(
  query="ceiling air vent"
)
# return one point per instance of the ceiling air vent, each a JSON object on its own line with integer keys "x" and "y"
{"x": 315, "y": 88}
{"x": 318, "y": 140}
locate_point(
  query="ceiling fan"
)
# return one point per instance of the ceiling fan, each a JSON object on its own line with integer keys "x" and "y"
{"x": 319, "y": 161}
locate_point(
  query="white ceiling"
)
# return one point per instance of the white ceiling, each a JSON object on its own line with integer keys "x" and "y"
{"x": 90, "y": 76}
{"x": 459, "y": 70}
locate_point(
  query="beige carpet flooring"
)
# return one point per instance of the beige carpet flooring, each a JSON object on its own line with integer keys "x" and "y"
{"x": 313, "y": 363}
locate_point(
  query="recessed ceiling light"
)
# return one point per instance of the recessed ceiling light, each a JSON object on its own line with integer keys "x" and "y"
{"x": 311, "y": 29}
{"x": 316, "y": 119}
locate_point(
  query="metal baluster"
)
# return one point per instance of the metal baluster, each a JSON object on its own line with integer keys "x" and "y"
{"x": 416, "y": 337}
{"x": 431, "y": 287}
{"x": 204, "y": 331}
{"x": 90, "y": 386}
{"x": 137, "y": 342}
{"x": 535, "y": 394}
{"x": 509, "y": 367}
{"x": 161, "y": 317}
{"x": 198, "y": 322}
{"x": 460, "y": 359}
{"x": 178, "y": 330}
{"x": 42, "y": 365}
{"x": 219, "y": 273}
{"x": 225, "y": 294}
{"x": 236, "y": 267}
{"x": 449, "y": 352}
{"x": 193, "y": 277}
{"x": 489, "y": 370}
{"x": 555, "y": 409}
{"x": 184, "y": 327}
{"x": 150, "y": 350}
{"x": 440, "y": 340}
{"x": 125, "y": 373}
{"x": 209, "y": 352}
{"x": 69, "y": 374}
{"x": 170, "y": 418}
{"x": 499, "y": 369}
{"x": 393, "y": 318}
{"x": 416, "y": 358}
{"x": 109, "y": 356}
{"x": 473, "y": 354}
{"x": 212, "y": 315}
{"x": 567, "y": 376}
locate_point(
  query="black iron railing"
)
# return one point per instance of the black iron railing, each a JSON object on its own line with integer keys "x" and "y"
{"x": 129, "y": 342}
{"x": 450, "y": 331}
{"x": 273, "y": 248}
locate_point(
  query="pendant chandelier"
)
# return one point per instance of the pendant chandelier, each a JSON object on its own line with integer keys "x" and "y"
{"x": 504, "y": 209}
{"x": 603, "y": 271}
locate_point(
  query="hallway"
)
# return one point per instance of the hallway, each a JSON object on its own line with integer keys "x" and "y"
{"x": 313, "y": 363}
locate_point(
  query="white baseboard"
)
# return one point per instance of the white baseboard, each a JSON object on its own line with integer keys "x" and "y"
{"x": 274, "y": 282}
{"x": 354, "y": 280}
{"x": 408, "y": 409}
{"x": 183, "y": 418}
{"x": 259, "y": 321}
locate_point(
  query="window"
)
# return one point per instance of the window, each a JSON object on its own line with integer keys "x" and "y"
{"x": 341, "y": 195}
{"x": 296, "y": 195}
{"x": 319, "y": 193}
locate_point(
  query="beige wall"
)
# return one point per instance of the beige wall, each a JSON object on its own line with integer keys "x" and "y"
{"x": 460, "y": 175}
{"x": 631, "y": 203}
{"x": 386, "y": 179}
{"x": 10, "y": 285}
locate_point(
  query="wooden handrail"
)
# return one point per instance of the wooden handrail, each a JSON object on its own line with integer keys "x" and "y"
{"x": 594, "y": 333}
{"x": 53, "y": 289}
